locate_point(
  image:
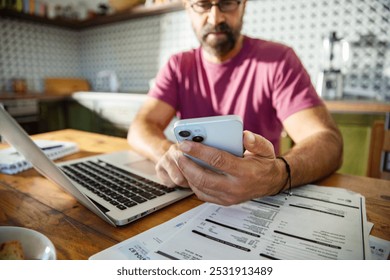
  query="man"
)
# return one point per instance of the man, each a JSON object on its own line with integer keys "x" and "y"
{"x": 264, "y": 83}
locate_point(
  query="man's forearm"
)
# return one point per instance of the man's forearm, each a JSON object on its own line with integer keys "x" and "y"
{"x": 146, "y": 133}
{"x": 315, "y": 158}
{"x": 148, "y": 139}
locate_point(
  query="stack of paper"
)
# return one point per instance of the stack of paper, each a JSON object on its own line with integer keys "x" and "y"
{"x": 11, "y": 162}
{"x": 314, "y": 223}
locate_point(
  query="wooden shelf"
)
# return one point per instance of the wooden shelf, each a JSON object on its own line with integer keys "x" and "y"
{"x": 136, "y": 12}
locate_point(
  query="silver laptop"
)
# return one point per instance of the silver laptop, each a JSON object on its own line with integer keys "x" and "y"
{"x": 119, "y": 187}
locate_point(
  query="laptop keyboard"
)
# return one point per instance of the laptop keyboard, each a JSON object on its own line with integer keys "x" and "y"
{"x": 119, "y": 187}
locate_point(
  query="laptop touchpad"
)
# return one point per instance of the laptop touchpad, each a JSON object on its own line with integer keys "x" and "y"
{"x": 144, "y": 166}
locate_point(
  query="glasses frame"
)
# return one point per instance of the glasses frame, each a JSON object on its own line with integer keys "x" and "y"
{"x": 218, "y": 4}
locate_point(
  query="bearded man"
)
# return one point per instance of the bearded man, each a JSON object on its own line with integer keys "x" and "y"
{"x": 263, "y": 82}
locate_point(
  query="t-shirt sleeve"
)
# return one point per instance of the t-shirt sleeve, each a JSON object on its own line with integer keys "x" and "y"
{"x": 165, "y": 87}
{"x": 293, "y": 90}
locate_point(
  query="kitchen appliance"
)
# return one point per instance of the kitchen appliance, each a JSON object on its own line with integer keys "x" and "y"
{"x": 107, "y": 80}
{"x": 334, "y": 65}
{"x": 24, "y": 111}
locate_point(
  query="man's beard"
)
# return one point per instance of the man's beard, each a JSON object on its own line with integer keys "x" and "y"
{"x": 219, "y": 48}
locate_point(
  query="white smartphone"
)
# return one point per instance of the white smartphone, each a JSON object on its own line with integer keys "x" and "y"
{"x": 221, "y": 132}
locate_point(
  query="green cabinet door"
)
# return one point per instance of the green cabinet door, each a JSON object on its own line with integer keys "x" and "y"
{"x": 51, "y": 115}
{"x": 356, "y": 131}
{"x": 81, "y": 117}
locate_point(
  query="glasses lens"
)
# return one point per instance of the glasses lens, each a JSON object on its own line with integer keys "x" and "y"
{"x": 224, "y": 6}
{"x": 201, "y": 6}
{"x": 228, "y": 6}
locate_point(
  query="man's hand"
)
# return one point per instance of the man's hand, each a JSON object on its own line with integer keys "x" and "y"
{"x": 257, "y": 174}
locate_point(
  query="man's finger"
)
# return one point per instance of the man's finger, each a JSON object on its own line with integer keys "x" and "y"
{"x": 258, "y": 145}
{"x": 216, "y": 158}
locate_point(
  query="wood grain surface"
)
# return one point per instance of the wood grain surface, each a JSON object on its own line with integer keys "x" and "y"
{"x": 27, "y": 199}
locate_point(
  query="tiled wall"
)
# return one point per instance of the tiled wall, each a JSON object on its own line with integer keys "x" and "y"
{"x": 135, "y": 49}
{"x": 34, "y": 51}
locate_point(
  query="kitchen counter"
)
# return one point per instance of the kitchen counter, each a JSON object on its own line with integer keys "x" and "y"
{"x": 336, "y": 106}
{"x": 5, "y": 96}
{"x": 357, "y": 106}
{"x": 360, "y": 121}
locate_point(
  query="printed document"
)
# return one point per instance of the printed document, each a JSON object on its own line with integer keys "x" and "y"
{"x": 314, "y": 223}
{"x": 140, "y": 246}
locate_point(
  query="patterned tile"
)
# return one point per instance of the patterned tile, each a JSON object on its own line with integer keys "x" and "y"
{"x": 137, "y": 48}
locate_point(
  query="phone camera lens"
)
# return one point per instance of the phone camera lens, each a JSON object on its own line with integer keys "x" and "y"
{"x": 184, "y": 133}
{"x": 198, "y": 138}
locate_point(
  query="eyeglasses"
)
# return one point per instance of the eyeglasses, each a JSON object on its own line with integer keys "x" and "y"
{"x": 224, "y": 6}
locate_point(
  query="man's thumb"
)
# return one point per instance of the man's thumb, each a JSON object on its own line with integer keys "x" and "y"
{"x": 258, "y": 145}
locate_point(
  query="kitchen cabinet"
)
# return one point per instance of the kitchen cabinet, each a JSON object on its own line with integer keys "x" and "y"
{"x": 362, "y": 126}
{"x": 92, "y": 116}
{"x": 35, "y": 112}
{"x": 106, "y": 113}
{"x": 362, "y": 123}
{"x": 80, "y": 117}
{"x": 136, "y": 12}
{"x": 24, "y": 111}
{"x": 51, "y": 115}
{"x": 358, "y": 134}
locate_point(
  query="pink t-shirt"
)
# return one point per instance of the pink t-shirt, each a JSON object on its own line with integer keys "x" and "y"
{"x": 264, "y": 84}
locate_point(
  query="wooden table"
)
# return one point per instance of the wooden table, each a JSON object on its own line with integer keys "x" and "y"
{"x": 30, "y": 200}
